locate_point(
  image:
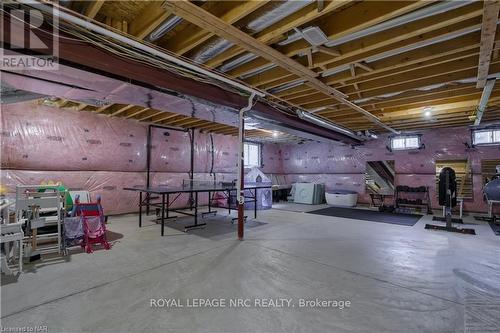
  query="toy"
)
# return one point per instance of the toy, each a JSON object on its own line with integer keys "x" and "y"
{"x": 93, "y": 225}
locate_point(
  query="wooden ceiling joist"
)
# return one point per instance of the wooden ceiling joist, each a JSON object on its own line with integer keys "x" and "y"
{"x": 149, "y": 19}
{"x": 136, "y": 113}
{"x": 93, "y": 8}
{"x": 432, "y": 60}
{"x": 363, "y": 48}
{"x": 277, "y": 30}
{"x": 121, "y": 110}
{"x": 488, "y": 32}
{"x": 182, "y": 43}
{"x": 202, "y": 18}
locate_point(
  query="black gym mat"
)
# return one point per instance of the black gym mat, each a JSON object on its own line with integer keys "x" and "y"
{"x": 495, "y": 227}
{"x": 369, "y": 215}
{"x": 443, "y": 219}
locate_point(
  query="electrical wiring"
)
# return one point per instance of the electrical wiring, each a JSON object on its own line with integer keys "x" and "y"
{"x": 126, "y": 52}
{"x": 123, "y": 51}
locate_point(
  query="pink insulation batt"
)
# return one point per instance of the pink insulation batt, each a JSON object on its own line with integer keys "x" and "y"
{"x": 103, "y": 154}
{"x": 343, "y": 167}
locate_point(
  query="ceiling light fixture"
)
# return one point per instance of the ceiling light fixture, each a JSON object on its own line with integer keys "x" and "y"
{"x": 427, "y": 111}
{"x": 314, "y": 35}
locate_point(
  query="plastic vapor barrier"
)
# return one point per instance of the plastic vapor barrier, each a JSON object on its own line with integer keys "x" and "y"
{"x": 103, "y": 154}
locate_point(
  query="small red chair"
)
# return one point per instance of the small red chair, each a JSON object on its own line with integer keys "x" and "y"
{"x": 93, "y": 223}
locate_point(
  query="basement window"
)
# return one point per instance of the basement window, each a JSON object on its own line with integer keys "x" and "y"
{"x": 405, "y": 142}
{"x": 252, "y": 154}
{"x": 486, "y": 137}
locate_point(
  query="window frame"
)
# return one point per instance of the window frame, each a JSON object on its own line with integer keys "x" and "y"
{"x": 405, "y": 137}
{"x": 492, "y": 130}
{"x": 259, "y": 154}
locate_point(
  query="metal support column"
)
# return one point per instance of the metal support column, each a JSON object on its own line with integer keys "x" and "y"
{"x": 240, "y": 183}
{"x": 191, "y": 171}
{"x": 148, "y": 166}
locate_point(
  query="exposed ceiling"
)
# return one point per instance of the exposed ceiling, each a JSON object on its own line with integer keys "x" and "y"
{"x": 366, "y": 65}
{"x": 171, "y": 119}
{"x": 392, "y": 58}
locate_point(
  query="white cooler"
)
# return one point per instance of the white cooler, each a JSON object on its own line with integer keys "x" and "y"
{"x": 343, "y": 198}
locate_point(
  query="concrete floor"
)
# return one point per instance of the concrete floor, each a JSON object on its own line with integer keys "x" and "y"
{"x": 397, "y": 278}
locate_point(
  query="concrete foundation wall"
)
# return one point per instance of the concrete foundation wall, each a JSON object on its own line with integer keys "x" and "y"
{"x": 102, "y": 154}
{"x": 343, "y": 167}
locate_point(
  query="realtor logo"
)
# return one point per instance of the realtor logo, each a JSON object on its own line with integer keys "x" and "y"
{"x": 29, "y": 36}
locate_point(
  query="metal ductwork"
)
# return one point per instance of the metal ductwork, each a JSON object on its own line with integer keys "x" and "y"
{"x": 493, "y": 76}
{"x": 320, "y": 121}
{"x": 279, "y": 11}
{"x": 283, "y": 9}
{"x": 237, "y": 62}
{"x": 286, "y": 86}
{"x": 97, "y": 60}
{"x": 293, "y": 37}
{"x": 11, "y": 95}
{"x": 213, "y": 48}
{"x": 439, "y": 8}
{"x": 169, "y": 24}
{"x": 387, "y": 54}
{"x": 258, "y": 71}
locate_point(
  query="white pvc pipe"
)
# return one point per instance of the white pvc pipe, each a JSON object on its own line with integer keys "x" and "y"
{"x": 98, "y": 29}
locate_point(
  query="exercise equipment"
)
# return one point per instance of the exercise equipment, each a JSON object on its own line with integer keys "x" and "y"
{"x": 448, "y": 198}
{"x": 491, "y": 193}
{"x": 408, "y": 198}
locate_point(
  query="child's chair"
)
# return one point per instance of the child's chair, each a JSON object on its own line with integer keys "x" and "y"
{"x": 93, "y": 224}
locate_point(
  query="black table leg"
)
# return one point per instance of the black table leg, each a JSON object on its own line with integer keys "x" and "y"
{"x": 196, "y": 224}
{"x": 140, "y": 209}
{"x": 229, "y": 201}
{"x": 209, "y": 202}
{"x": 195, "y": 208}
{"x": 162, "y": 214}
{"x": 168, "y": 203}
{"x": 255, "y": 204}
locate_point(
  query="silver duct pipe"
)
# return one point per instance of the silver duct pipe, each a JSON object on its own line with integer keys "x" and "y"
{"x": 293, "y": 37}
{"x": 10, "y": 95}
{"x": 288, "y": 85}
{"x": 426, "y": 88}
{"x": 237, "y": 62}
{"x": 140, "y": 46}
{"x": 387, "y": 54}
{"x": 285, "y": 8}
{"x": 258, "y": 71}
{"x": 169, "y": 24}
{"x": 211, "y": 49}
{"x": 439, "y": 8}
{"x": 281, "y": 10}
{"x": 320, "y": 121}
